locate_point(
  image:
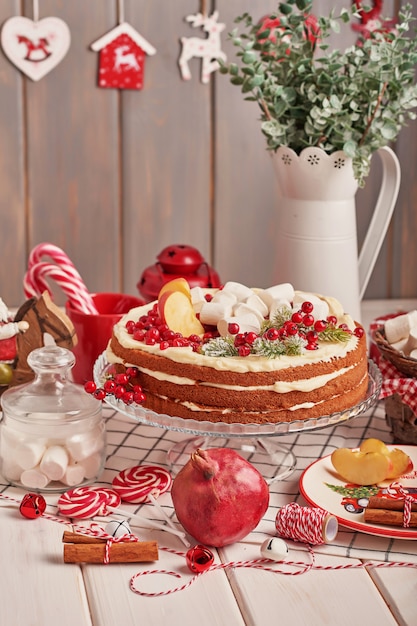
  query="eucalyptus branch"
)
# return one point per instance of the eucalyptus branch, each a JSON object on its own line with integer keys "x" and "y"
{"x": 371, "y": 119}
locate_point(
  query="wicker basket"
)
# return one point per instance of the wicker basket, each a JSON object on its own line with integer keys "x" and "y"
{"x": 404, "y": 364}
{"x": 401, "y": 419}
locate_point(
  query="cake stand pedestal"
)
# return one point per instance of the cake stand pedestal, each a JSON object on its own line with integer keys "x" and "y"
{"x": 255, "y": 442}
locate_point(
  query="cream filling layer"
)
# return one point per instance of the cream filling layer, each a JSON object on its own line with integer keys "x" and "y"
{"x": 306, "y": 385}
{"x": 194, "y": 407}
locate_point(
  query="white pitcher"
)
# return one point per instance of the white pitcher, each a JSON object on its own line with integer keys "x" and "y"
{"x": 317, "y": 247}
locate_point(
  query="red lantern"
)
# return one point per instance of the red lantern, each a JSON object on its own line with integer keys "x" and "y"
{"x": 177, "y": 261}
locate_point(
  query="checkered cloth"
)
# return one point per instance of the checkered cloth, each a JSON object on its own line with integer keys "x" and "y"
{"x": 395, "y": 382}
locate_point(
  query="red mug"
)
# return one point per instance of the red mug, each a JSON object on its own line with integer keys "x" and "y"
{"x": 94, "y": 331}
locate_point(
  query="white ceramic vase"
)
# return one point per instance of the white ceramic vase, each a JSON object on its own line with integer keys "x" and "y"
{"x": 317, "y": 246}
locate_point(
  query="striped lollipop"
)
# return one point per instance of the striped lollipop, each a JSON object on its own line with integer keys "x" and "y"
{"x": 137, "y": 484}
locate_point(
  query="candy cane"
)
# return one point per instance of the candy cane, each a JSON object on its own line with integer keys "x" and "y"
{"x": 57, "y": 255}
{"x": 72, "y": 285}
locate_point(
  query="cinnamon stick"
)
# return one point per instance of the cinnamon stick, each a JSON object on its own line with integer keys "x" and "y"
{"x": 84, "y": 549}
{"x": 69, "y": 537}
{"x": 376, "y": 502}
{"x": 388, "y": 517}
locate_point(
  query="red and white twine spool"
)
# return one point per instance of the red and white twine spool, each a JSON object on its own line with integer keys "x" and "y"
{"x": 309, "y": 525}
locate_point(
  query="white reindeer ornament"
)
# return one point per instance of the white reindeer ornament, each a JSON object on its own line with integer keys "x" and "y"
{"x": 209, "y": 49}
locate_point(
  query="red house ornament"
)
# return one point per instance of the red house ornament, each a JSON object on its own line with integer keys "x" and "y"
{"x": 122, "y": 58}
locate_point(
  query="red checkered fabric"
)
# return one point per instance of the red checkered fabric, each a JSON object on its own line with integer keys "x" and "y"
{"x": 395, "y": 382}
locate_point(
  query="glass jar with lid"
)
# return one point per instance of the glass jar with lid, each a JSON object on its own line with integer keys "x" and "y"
{"x": 52, "y": 433}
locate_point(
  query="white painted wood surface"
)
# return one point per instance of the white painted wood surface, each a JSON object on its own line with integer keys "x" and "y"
{"x": 38, "y": 589}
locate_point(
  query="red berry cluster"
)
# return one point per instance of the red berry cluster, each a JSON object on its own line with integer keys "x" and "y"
{"x": 151, "y": 330}
{"x": 121, "y": 385}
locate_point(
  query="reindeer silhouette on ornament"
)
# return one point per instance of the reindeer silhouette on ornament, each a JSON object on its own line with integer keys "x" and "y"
{"x": 209, "y": 49}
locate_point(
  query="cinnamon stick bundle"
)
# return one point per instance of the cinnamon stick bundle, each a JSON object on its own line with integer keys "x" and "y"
{"x": 83, "y": 549}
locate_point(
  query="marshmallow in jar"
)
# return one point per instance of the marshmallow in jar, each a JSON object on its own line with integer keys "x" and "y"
{"x": 52, "y": 434}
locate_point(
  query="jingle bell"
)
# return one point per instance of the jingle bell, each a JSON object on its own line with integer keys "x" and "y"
{"x": 177, "y": 261}
{"x": 199, "y": 559}
{"x": 32, "y": 506}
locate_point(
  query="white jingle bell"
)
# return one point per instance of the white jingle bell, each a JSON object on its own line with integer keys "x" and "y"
{"x": 118, "y": 528}
{"x": 275, "y": 549}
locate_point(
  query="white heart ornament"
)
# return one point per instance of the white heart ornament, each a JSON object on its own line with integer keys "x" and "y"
{"x": 35, "y": 47}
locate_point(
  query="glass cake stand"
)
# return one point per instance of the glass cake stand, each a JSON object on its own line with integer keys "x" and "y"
{"x": 255, "y": 442}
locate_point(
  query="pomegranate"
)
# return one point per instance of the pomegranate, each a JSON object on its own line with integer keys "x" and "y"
{"x": 219, "y": 497}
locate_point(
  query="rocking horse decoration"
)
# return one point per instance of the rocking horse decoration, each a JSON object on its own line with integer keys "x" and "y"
{"x": 42, "y": 323}
{"x": 36, "y": 46}
{"x": 209, "y": 49}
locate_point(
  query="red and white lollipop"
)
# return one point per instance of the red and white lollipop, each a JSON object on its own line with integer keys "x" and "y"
{"x": 142, "y": 483}
{"x": 87, "y": 502}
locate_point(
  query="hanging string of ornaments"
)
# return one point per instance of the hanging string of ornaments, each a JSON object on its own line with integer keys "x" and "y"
{"x": 37, "y": 46}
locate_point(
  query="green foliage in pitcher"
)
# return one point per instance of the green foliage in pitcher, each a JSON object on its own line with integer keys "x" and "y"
{"x": 355, "y": 100}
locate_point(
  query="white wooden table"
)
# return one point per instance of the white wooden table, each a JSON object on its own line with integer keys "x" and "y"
{"x": 38, "y": 589}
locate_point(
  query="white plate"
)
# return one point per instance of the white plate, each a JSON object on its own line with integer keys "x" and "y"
{"x": 314, "y": 486}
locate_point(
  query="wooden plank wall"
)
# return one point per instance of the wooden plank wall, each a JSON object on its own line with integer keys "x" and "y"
{"x": 112, "y": 177}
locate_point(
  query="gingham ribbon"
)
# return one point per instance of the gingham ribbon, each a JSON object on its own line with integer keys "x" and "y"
{"x": 395, "y": 382}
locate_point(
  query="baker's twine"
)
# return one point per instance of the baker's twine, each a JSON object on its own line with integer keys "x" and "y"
{"x": 301, "y": 523}
{"x": 287, "y": 512}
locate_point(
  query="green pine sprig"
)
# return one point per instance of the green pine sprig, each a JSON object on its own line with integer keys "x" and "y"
{"x": 333, "y": 334}
{"x": 219, "y": 347}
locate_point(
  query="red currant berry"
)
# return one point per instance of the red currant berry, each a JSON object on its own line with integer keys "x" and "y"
{"x": 208, "y": 297}
{"x": 132, "y": 372}
{"x": 109, "y": 386}
{"x": 307, "y": 307}
{"x": 128, "y": 397}
{"x": 164, "y": 345}
{"x": 250, "y": 337}
{"x": 119, "y": 391}
{"x": 139, "y": 335}
{"x": 320, "y": 326}
{"x": 297, "y": 317}
{"x": 90, "y": 386}
{"x": 344, "y": 326}
{"x": 130, "y": 327}
{"x": 311, "y": 336}
{"x": 240, "y": 340}
{"x": 272, "y": 334}
{"x": 139, "y": 397}
{"x": 122, "y": 378}
{"x": 359, "y": 332}
{"x": 292, "y": 329}
{"x": 244, "y": 350}
{"x": 311, "y": 346}
{"x": 100, "y": 394}
{"x": 233, "y": 328}
{"x": 332, "y": 319}
{"x": 308, "y": 320}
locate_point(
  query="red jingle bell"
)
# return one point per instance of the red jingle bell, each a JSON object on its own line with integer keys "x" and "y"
{"x": 177, "y": 261}
{"x": 199, "y": 559}
{"x": 33, "y": 505}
